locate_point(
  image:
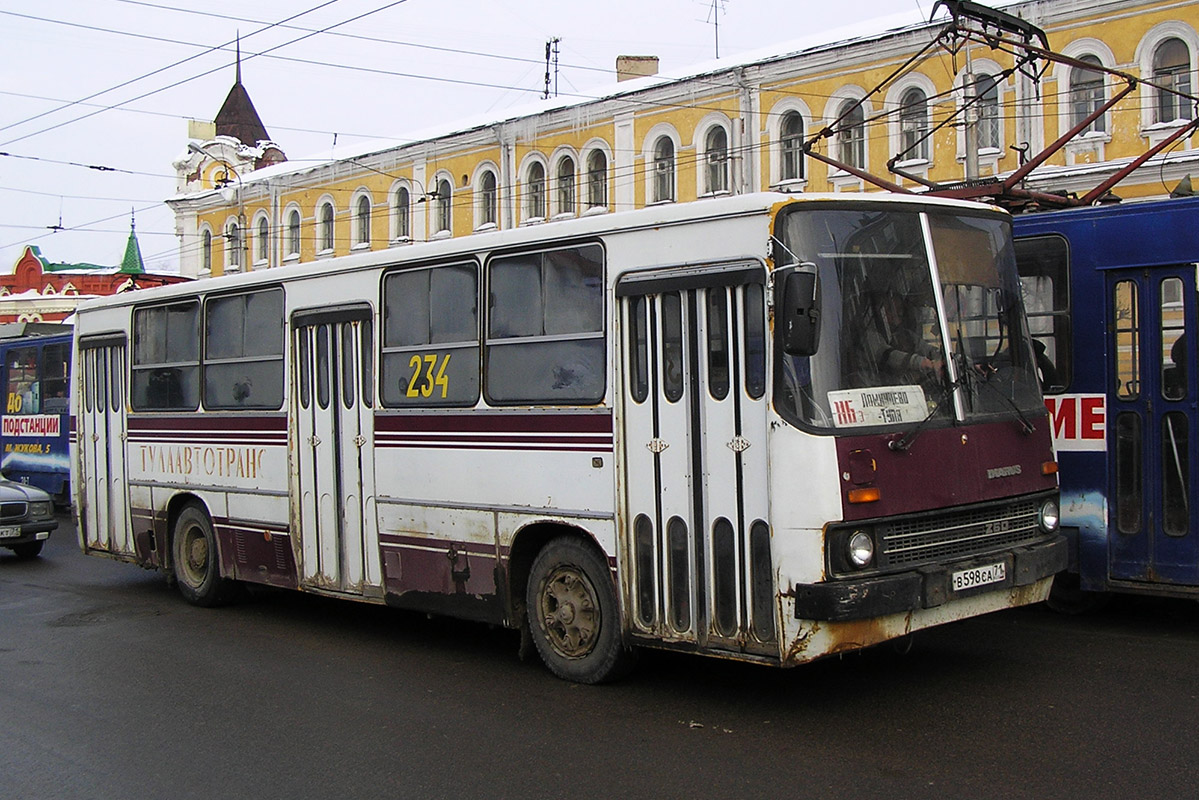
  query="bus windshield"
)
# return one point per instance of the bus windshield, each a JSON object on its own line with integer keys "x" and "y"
{"x": 892, "y": 351}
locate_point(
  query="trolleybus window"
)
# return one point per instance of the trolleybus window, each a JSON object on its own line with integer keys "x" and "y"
{"x": 1044, "y": 263}
{"x": 431, "y": 336}
{"x": 243, "y": 351}
{"x": 24, "y": 390}
{"x": 545, "y": 340}
{"x": 166, "y": 357}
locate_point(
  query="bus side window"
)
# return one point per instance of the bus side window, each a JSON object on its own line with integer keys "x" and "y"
{"x": 243, "y": 351}
{"x": 21, "y": 378}
{"x": 430, "y": 337}
{"x": 1044, "y": 266}
{"x": 166, "y": 357}
{"x": 545, "y": 341}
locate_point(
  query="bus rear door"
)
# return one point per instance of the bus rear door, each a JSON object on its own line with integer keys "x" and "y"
{"x": 335, "y": 451}
{"x": 1152, "y": 434}
{"x": 101, "y": 440}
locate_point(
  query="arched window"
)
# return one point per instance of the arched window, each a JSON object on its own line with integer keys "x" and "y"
{"x": 566, "y": 185}
{"x": 401, "y": 214}
{"x": 791, "y": 146}
{"x": 264, "y": 240}
{"x": 233, "y": 246}
{"x": 597, "y": 179}
{"x": 716, "y": 160}
{"x": 1172, "y": 70}
{"x": 851, "y": 134}
{"x": 1086, "y": 95}
{"x": 487, "y": 199}
{"x": 362, "y": 218}
{"x": 291, "y": 244}
{"x": 990, "y": 126}
{"x": 663, "y": 170}
{"x": 535, "y": 191}
{"x": 326, "y": 228}
{"x": 206, "y": 250}
{"x": 445, "y": 204}
{"x": 913, "y": 125}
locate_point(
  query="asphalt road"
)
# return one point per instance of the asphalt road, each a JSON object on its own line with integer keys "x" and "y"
{"x": 112, "y": 687}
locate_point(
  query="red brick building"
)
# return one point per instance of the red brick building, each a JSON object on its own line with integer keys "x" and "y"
{"x": 39, "y": 290}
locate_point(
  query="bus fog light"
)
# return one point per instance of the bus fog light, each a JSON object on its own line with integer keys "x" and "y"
{"x": 861, "y": 549}
{"x": 1049, "y": 517}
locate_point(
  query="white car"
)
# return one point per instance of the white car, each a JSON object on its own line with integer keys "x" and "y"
{"x": 26, "y": 518}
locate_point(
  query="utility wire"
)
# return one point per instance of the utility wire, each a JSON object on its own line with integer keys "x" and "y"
{"x": 209, "y": 72}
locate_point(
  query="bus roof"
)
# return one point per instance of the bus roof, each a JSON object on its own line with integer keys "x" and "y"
{"x": 586, "y": 225}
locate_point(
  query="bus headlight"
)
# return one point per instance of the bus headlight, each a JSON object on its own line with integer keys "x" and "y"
{"x": 860, "y": 549}
{"x": 1049, "y": 516}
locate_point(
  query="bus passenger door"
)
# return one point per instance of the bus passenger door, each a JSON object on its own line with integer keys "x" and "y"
{"x": 334, "y": 445}
{"x": 1152, "y": 533}
{"x": 101, "y": 442}
{"x": 694, "y": 449}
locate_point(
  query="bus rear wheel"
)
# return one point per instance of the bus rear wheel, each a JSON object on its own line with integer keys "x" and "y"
{"x": 196, "y": 560}
{"x": 573, "y": 615}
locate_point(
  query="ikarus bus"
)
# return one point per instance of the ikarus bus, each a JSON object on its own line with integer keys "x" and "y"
{"x": 768, "y": 427}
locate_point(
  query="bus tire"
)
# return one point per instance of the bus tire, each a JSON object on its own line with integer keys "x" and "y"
{"x": 573, "y": 616}
{"x": 196, "y": 560}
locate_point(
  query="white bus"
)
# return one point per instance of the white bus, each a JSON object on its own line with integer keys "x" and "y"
{"x": 769, "y": 427}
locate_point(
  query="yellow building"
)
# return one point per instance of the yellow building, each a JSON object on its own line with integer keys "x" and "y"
{"x": 735, "y": 128}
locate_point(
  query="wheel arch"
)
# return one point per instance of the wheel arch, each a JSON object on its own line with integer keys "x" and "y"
{"x": 174, "y": 508}
{"x": 526, "y": 544}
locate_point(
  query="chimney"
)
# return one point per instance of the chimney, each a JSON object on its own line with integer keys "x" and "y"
{"x": 629, "y": 67}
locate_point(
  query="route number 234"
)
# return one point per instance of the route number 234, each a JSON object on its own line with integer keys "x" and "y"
{"x": 433, "y": 372}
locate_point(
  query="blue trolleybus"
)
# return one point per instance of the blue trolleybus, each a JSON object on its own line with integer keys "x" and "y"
{"x": 35, "y": 423}
{"x": 1110, "y": 292}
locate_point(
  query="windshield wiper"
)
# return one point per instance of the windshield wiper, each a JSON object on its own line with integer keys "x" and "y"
{"x": 985, "y": 380}
{"x": 905, "y": 441}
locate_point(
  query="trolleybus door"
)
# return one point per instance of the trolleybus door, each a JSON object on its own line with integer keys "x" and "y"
{"x": 1152, "y": 534}
{"x": 335, "y": 448}
{"x": 101, "y": 439}
{"x": 693, "y": 354}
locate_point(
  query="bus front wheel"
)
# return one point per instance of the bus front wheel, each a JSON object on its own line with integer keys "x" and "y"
{"x": 573, "y": 615}
{"x": 197, "y": 565}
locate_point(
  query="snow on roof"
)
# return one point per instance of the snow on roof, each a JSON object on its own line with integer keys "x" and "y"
{"x": 861, "y": 31}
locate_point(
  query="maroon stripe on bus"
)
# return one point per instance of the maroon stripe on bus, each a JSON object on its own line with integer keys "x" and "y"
{"x": 213, "y": 422}
{"x": 498, "y": 422}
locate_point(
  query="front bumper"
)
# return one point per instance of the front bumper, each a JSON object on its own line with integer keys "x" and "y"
{"x": 925, "y": 587}
{"x": 30, "y": 532}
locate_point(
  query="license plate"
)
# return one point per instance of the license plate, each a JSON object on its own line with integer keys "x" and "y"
{"x": 9, "y": 533}
{"x": 979, "y": 576}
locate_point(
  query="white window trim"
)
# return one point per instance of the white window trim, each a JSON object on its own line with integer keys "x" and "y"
{"x": 647, "y": 154}
{"x": 522, "y": 186}
{"x": 355, "y": 243}
{"x": 892, "y": 105}
{"x": 1146, "y": 49}
{"x": 1094, "y": 141}
{"x": 552, "y": 180}
{"x": 229, "y": 266}
{"x": 393, "y": 234}
{"x": 774, "y": 133}
{"x": 435, "y": 182}
{"x": 713, "y": 120}
{"x": 256, "y": 246}
{"x": 585, "y": 189}
{"x": 287, "y": 212}
{"x": 212, "y": 239}
{"x": 839, "y": 178}
{"x": 318, "y": 224}
{"x": 988, "y": 157}
{"x": 476, "y": 183}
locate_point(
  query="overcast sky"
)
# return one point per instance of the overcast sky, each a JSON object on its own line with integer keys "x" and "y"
{"x": 87, "y": 84}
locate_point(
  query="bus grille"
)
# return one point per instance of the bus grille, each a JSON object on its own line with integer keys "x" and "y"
{"x": 960, "y": 534}
{"x": 12, "y": 510}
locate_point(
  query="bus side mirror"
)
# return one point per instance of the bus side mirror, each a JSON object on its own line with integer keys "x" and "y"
{"x": 799, "y": 313}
